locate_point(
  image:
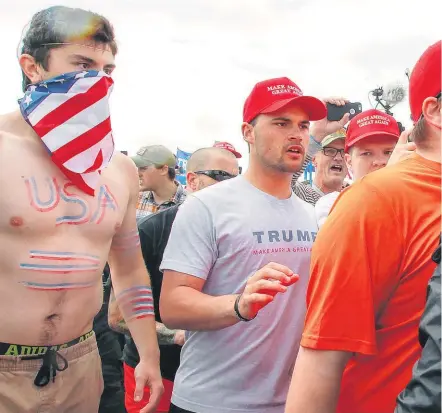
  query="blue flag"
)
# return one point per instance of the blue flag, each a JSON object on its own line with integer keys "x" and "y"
{"x": 182, "y": 158}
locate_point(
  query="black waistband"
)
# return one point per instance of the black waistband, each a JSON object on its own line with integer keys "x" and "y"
{"x": 7, "y": 349}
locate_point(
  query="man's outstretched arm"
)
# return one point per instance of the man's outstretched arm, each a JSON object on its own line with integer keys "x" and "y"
{"x": 133, "y": 294}
{"x": 318, "y": 132}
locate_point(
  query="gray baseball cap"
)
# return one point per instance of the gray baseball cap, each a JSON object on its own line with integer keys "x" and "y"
{"x": 157, "y": 155}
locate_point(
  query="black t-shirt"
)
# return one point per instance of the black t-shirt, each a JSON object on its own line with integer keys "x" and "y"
{"x": 154, "y": 233}
{"x": 108, "y": 341}
{"x": 100, "y": 322}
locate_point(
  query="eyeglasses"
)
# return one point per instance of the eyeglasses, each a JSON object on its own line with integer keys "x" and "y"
{"x": 216, "y": 174}
{"x": 332, "y": 152}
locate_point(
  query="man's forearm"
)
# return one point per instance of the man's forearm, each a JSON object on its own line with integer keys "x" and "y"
{"x": 313, "y": 147}
{"x": 166, "y": 336}
{"x": 316, "y": 381}
{"x": 120, "y": 326}
{"x": 134, "y": 298}
{"x": 115, "y": 319}
{"x": 188, "y": 309}
{"x": 117, "y": 323}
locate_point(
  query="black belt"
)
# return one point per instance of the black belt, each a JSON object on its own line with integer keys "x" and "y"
{"x": 49, "y": 354}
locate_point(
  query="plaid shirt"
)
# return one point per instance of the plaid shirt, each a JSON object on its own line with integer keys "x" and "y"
{"x": 146, "y": 204}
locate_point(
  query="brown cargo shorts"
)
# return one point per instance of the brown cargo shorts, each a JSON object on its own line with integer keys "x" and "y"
{"x": 75, "y": 388}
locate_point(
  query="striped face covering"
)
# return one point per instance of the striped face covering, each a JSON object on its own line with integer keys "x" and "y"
{"x": 70, "y": 113}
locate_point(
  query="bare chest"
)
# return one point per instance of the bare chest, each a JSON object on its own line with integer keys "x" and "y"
{"x": 36, "y": 198}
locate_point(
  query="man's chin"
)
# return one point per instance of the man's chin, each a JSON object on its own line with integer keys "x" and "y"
{"x": 292, "y": 167}
{"x": 336, "y": 181}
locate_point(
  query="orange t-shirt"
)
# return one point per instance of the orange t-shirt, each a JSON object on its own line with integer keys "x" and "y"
{"x": 371, "y": 263}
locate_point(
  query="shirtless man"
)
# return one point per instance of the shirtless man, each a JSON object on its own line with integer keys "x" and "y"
{"x": 67, "y": 207}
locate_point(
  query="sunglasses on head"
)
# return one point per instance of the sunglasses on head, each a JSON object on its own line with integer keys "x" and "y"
{"x": 217, "y": 175}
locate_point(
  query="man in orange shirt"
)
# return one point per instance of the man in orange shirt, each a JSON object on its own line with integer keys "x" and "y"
{"x": 369, "y": 273}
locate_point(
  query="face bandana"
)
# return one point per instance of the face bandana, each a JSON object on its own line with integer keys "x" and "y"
{"x": 70, "y": 113}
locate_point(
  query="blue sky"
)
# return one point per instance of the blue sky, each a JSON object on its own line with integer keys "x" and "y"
{"x": 185, "y": 67}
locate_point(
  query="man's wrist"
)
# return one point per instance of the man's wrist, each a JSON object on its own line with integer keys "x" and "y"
{"x": 165, "y": 335}
{"x": 153, "y": 354}
{"x": 317, "y": 140}
{"x": 238, "y": 313}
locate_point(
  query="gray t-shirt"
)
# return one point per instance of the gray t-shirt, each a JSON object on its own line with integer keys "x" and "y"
{"x": 224, "y": 234}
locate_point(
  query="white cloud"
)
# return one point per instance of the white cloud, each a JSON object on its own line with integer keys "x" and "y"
{"x": 186, "y": 66}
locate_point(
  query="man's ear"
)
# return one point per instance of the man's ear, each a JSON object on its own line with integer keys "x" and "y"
{"x": 248, "y": 133}
{"x": 164, "y": 170}
{"x": 31, "y": 69}
{"x": 431, "y": 111}
{"x": 347, "y": 158}
{"x": 192, "y": 181}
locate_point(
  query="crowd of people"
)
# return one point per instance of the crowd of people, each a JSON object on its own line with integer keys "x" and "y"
{"x": 255, "y": 292}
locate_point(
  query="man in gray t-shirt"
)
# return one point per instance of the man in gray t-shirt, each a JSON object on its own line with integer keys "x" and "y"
{"x": 237, "y": 263}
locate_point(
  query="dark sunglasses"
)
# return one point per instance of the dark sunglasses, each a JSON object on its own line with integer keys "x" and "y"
{"x": 217, "y": 175}
{"x": 332, "y": 152}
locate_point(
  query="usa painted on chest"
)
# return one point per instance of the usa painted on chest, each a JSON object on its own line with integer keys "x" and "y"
{"x": 46, "y": 194}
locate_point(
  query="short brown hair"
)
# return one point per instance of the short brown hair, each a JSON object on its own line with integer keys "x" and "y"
{"x": 171, "y": 173}
{"x": 51, "y": 27}
{"x": 420, "y": 131}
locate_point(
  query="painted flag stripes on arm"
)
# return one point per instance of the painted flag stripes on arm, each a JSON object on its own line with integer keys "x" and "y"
{"x": 136, "y": 302}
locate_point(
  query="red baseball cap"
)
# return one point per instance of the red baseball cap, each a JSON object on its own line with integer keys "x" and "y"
{"x": 273, "y": 94}
{"x": 370, "y": 123}
{"x": 227, "y": 146}
{"x": 425, "y": 79}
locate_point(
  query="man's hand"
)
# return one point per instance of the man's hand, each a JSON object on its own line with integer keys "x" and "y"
{"x": 180, "y": 337}
{"x": 262, "y": 286}
{"x": 403, "y": 148}
{"x": 324, "y": 127}
{"x": 147, "y": 373}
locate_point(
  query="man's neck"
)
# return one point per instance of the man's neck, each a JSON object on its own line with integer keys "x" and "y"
{"x": 165, "y": 192}
{"x": 270, "y": 181}
{"x": 433, "y": 149}
{"x": 324, "y": 188}
{"x": 431, "y": 155}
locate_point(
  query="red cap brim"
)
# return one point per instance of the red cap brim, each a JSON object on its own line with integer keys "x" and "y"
{"x": 370, "y": 135}
{"x": 315, "y": 108}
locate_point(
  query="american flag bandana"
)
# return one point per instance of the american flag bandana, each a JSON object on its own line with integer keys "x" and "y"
{"x": 70, "y": 113}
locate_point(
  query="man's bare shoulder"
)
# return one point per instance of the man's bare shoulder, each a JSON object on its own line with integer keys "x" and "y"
{"x": 123, "y": 160}
{"x": 126, "y": 168}
{"x": 4, "y": 120}
{"x": 11, "y": 140}
{"x": 13, "y": 128}
{"x": 124, "y": 164}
